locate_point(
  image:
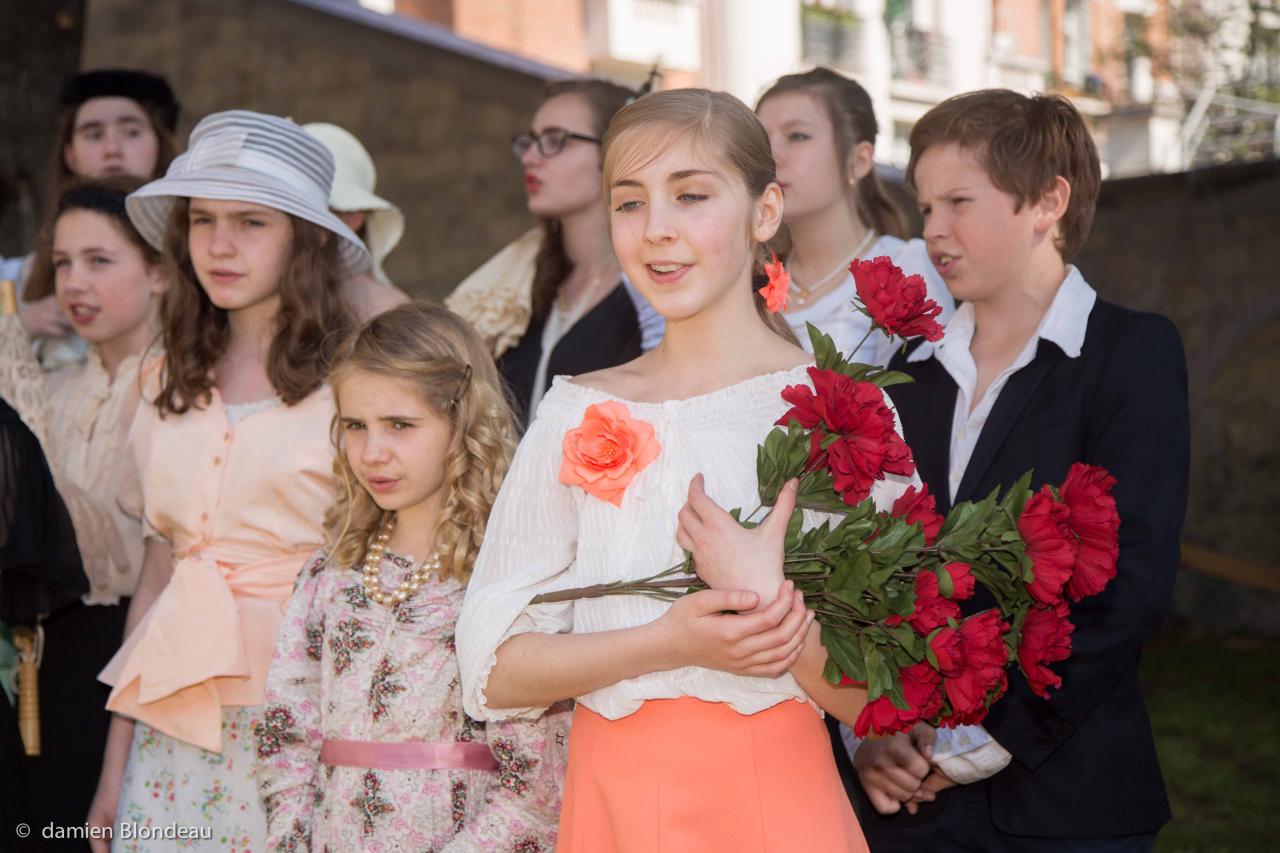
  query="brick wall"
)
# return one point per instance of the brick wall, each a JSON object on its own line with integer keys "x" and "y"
{"x": 551, "y": 31}
{"x": 437, "y": 123}
{"x": 1201, "y": 248}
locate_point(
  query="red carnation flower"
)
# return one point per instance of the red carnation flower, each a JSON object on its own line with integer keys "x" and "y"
{"x": 931, "y": 610}
{"x": 919, "y": 506}
{"x": 1096, "y": 524}
{"x": 920, "y": 684}
{"x": 896, "y": 303}
{"x": 1046, "y": 639}
{"x": 867, "y": 446}
{"x": 962, "y": 580}
{"x": 976, "y": 670}
{"x": 1051, "y": 545}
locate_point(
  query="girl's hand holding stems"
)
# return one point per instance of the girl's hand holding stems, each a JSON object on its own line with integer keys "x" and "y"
{"x": 726, "y": 554}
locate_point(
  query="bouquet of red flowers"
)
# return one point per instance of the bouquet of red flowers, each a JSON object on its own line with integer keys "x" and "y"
{"x": 886, "y": 586}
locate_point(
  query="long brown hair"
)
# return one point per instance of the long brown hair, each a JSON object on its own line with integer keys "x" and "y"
{"x": 849, "y": 109}
{"x": 714, "y": 121}
{"x": 40, "y": 281}
{"x": 435, "y": 352}
{"x": 311, "y": 321}
{"x": 553, "y": 265}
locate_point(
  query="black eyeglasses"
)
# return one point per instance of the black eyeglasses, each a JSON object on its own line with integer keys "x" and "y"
{"x": 550, "y": 142}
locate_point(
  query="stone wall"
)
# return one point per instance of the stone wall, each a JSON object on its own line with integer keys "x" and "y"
{"x": 1203, "y": 248}
{"x": 436, "y": 113}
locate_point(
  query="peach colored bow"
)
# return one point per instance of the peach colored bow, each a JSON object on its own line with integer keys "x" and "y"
{"x": 206, "y": 642}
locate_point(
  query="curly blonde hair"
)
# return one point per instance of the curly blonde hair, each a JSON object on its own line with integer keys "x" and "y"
{"x": 439, "y": 354}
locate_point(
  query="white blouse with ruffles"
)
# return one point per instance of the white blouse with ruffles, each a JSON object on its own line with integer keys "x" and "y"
{"x": 544, "y": 535}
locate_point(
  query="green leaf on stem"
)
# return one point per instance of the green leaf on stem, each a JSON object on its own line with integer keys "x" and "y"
{"x": 888, "y": 378}
{"x": 1015, "y": 500}
{"x": 900, "y": 595}
{"x": 946, "y": 586}
{"x": 908, "y": 640}
{"x": 844, "y": 650}
{"x": 824, "y": 349}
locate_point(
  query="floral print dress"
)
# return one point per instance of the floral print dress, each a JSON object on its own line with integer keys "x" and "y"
{"x": 347, "y": 668}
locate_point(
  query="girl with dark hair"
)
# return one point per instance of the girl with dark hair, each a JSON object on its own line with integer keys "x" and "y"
{"x": 567, "y": 307}
{"x": 822, "y": 129}
{"x": 109, "y": 283}
{"x": 113, "y": 122}
{"x": 232, "y": 468}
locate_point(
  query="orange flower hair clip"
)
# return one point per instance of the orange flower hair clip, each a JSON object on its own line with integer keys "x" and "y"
{"x": 775, "y": 293}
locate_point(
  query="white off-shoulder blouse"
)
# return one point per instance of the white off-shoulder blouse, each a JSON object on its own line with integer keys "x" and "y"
{"x": 544, "y": 535}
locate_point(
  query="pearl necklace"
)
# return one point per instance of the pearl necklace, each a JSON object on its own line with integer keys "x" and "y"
{"x": 806, "y": 293}
{"x": 372, "y": 579}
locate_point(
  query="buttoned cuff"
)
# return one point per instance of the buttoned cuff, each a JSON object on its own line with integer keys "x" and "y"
{"x": 968, "y": 754}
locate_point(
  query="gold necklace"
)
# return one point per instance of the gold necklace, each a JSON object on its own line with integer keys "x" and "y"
{"x": 372, "y": 579}
{"x": 807, "y": 293}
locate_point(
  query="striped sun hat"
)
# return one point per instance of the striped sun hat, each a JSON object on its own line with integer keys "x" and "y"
{"x": 240, "y": 155}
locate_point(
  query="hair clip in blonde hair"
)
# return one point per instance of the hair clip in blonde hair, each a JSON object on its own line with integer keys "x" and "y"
{"x": 462, "y": 387}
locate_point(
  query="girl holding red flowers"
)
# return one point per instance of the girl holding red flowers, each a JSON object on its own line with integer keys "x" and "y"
{"x": 695, "y": 726}
{"x": 822, "y": 130}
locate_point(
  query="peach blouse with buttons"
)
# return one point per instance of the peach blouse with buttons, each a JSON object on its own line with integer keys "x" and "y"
{"x": 241, "y": 502}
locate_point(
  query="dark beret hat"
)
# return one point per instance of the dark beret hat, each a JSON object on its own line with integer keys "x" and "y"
{"x": 142, "y": 86}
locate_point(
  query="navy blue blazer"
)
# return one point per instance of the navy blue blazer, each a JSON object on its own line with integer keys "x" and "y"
{"x": 1084, "y": 761}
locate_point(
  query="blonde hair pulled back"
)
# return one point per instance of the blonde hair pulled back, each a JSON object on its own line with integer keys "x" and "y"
{"x": 714, "y": 123}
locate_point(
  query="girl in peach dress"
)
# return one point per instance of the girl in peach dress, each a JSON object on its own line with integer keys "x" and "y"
{"x": 696, "y": 729}
{"x": 232, "y": 472}
{"x": 365, "y": 745}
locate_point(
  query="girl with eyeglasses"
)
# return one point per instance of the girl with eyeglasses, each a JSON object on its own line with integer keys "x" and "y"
{"x": 555, "y": 301}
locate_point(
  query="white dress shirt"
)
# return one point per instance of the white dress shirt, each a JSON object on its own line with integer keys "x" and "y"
{"x": 969, "y": 753}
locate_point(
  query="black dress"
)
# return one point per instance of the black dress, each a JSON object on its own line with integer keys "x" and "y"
{"x": 40, "y": 573}
{"x": 606, "y": 336}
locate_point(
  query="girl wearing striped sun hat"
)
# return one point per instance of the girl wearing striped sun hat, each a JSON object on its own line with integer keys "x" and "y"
{"x": 230, "y": 468}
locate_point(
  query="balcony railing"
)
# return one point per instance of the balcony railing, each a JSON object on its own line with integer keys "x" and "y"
{"x": 919, "y": 56}
{"x": 830, "y": 37}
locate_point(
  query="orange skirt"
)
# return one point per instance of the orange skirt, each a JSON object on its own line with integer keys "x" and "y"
{"x": 686, "y": 775}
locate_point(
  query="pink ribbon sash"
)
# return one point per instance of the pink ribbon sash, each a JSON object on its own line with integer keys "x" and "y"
{"x": 407, "y": 756}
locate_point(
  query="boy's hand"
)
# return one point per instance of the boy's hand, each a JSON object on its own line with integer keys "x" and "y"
{"x": 728, "y": 555}
{"x": 892, "y": 769}
{"x": 933, "y": 783}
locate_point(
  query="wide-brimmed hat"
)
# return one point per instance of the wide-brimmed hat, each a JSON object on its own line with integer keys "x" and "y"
{"x": 354, "y": 181}
{"x": 240, "y": 155}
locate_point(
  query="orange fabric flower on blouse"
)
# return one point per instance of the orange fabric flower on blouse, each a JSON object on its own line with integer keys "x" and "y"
{"x": 775, "y": 293}
{"x": 607, "y": 450}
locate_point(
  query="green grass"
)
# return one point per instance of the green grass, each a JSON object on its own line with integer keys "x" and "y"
{"x": 1215, "y": 707}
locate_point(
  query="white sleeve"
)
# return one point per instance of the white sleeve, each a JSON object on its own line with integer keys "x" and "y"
{"x": 969, "y": 754}
{"x": 530, "y": 541}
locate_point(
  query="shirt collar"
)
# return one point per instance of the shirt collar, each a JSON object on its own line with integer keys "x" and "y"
{"x": 1063, "y": 324}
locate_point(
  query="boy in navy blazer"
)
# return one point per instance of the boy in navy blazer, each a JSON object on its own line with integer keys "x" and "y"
{"x": 1036, "y": 372}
